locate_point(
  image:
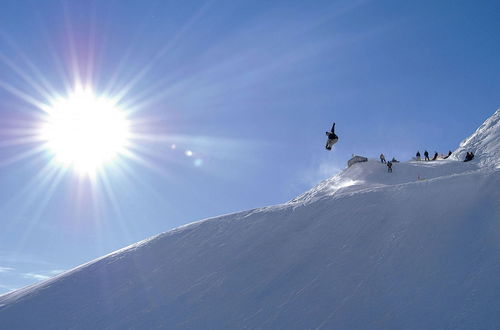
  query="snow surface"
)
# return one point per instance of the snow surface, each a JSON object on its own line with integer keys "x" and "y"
{"x": 415, "y": 249}
{"x": 484, "y": 143}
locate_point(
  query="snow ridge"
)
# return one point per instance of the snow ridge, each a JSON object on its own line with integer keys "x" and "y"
{"x": 413, "y": 249}
{"x": 484, "y": 143}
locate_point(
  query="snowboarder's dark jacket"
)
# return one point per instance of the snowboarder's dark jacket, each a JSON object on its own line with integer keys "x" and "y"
{"x": 331, "y": 134}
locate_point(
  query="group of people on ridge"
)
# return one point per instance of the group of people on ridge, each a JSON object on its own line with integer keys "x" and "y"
{"x": 468, "y": 157}
{"x": 436, "y": 155}
{"x": 389, "y": 163}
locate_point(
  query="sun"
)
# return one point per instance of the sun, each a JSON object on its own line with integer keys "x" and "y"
{"x": 85, "y": 131}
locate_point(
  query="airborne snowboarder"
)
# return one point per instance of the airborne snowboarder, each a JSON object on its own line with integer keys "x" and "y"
{"x": 332, "y": 138}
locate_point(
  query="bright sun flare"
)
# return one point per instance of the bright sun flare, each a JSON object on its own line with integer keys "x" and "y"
{"x": 85, "y": 131}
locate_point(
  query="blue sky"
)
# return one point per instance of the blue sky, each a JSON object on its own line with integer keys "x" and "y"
{"x": 249, "y": 87}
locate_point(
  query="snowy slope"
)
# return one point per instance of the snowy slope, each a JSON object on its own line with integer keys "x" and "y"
{"x": 373, "y": 174}
{"x": 415, "y": 249}
{"x": 484, "y": 143}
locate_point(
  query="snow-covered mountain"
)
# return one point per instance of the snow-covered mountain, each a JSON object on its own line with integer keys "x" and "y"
{"x": 484, "y": 143}
{"x": 415, "y": 249}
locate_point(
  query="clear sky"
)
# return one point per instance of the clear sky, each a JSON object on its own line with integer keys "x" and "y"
{"x": 228, "y": 103}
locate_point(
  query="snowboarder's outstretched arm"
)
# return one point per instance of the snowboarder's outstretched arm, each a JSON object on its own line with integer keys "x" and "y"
{"x": 333, "y": 128}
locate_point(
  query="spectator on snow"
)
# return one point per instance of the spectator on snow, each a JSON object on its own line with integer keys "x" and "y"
{"x": 426, "y": 155}
{"x": 394, "y": 160}
{"x": 435, "y": 155}
{"x": 469, "y": 156}
{"x": 418, "y": 155}
{"x": 382, "y": 159}
{"x": 389, "y": 167}
{"x": 449, "y": 154}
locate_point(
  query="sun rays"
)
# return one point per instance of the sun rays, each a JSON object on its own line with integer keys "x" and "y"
{"x": 92, "y": 125}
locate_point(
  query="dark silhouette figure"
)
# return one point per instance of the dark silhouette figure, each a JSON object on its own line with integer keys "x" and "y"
{"x": 394, "y": 160}
{"x": 418, "y": 155}
{"x": 389, "y": 167}
{"x": 382, "y": 159}
{"x": 426, "y": 155}
{"x": 435, "y": 156}
{"x": 332, "y": 138}
{"x": 469, "y": 156}
{"x": 449, "y": 154}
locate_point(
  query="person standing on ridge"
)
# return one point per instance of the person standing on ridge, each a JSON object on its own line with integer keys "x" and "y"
{"x": 449, "y": 154}
{"x": 389, "y": 166}
{"x": 418, "y": 155}
{"x": 435, "y": 155}
{"x": 382, "y": 159}
{"x": 426, "y": 155}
